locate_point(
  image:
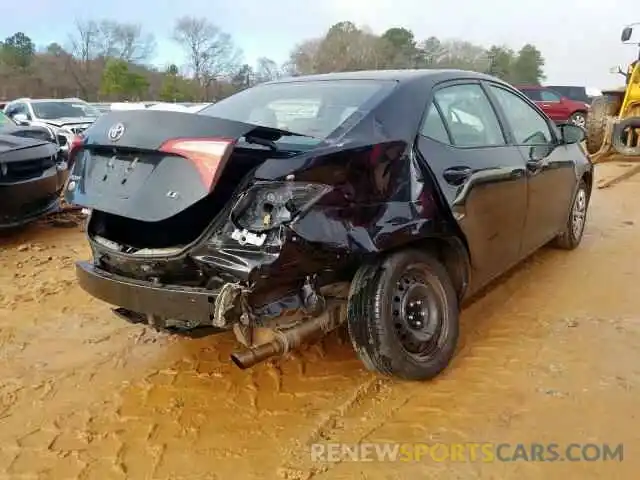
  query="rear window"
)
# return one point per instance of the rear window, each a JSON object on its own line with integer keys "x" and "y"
{"x": 312, "y": 108}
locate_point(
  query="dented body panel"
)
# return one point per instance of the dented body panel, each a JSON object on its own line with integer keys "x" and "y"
{"x": 375, "y": 185}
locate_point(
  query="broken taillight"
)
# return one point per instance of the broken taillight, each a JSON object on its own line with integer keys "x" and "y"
{"x": 268, "y": 205}
{"x": 208, "y": 155}
{"x": 76, "y": 144}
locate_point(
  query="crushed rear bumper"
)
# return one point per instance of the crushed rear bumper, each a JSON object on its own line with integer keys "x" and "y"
{"x": 188, "y": 304}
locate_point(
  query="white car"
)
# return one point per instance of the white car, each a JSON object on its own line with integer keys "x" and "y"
{"x": 128, "y": 106}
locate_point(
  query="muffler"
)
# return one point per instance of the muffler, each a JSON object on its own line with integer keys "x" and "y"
{"x": 286, "y": 340}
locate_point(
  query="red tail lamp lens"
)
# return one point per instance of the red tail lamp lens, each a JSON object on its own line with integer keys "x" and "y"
{"x": 209, "y": 156}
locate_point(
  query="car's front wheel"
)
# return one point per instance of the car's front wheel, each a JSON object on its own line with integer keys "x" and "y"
{"x": 573, "y": 231}
{"x": 403, "y": 316}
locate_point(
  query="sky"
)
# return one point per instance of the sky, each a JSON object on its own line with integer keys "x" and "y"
{"x": 580, "y": 39}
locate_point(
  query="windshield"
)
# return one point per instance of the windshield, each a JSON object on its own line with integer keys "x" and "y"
{"x": 53, "y": 110}
{"x": 312, "y": 108}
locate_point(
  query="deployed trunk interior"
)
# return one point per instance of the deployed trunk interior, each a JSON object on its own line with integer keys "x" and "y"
{"x": 184, "y": 227}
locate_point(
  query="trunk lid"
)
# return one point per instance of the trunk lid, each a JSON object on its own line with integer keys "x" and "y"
{"x": 151, "y": 165}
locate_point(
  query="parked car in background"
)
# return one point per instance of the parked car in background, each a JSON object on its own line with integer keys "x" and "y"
{"x": 32, "y": 173}
{"x": 102, "y": 107}
{"x": 379, "y": 199}
{"x": 119, "y": 106}
{"x": 558, "y": 108}
{"x": 67, "y": 117}
{"x": 169, "y": 107}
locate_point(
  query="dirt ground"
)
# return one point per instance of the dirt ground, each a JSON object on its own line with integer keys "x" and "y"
{"x": 550, "y": 354}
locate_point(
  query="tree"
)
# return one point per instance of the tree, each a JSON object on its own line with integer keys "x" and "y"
{"x": 345, "y": 47}
{"x": 210, "y": 51}
{"x": 399, "y": 48}
{"x": 529, "y": 66}
{"x": 348, "y": 48}
{"x": 266, "y": 70}
{"x": 55, "y": 49}
{"x": 118, "y": 81}
{"x": 430, "y": 53}
{"x": 244, "y": 77}
{"x": 125, "y": 41}
{"x": 303, "y": 59}
{"x": 18, "y": 51}
{"x": 501, "y": 62}
{"x": 110, "y": 39}
{"x": 95, "y": 42}
{"x": 174, "y": 87}
{"x": 463, "y": 55}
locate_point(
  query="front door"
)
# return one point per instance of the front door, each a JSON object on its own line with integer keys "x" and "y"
{"x": 550, "y": 169}
{"x": 482, "y": 177}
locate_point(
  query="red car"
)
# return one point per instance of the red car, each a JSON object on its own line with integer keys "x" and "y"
{"x": 558, "y": 108}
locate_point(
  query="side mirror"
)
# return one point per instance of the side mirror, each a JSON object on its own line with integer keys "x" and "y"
{"x": 21, "y": 119}
{"x": 571, "y": 133}
{"x": 626, "y": 34}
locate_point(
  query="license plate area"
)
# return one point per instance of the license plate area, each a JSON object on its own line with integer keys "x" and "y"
{"x": 119, "y": 175}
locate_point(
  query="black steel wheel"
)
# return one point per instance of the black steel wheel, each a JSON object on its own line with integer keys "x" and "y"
{"x": 403, "y": 316}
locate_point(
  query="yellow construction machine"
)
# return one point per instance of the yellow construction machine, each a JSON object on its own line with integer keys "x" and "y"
{"x": 613, "y": 123}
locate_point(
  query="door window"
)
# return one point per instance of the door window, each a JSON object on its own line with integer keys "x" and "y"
{"x": 469, "y": 116}
{"x": 433, "y": 126}
{"x": 22, "y": 108}
{"x": 549, "y": 96}
{"x": 528, "y": 126}
{"x": 532, "y": 94}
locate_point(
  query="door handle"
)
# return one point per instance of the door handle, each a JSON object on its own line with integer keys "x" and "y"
{"x": 457, "y": 175}
{"x": 534, "y": 165}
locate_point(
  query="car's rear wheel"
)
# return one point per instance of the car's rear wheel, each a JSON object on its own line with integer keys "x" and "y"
{"x": 403, "y": 316}
{"x": 573, "y": 231}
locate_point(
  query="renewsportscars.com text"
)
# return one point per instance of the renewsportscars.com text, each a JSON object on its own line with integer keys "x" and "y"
{"x": 467, "y": 452}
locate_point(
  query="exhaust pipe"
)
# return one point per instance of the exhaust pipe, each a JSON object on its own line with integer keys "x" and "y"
{"x": 290, "y": 339}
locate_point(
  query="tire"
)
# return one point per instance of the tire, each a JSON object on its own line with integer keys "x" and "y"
{"x": 579, "y": 119}
{"x": 619, "y": 145}
{"x": 383, "y": 298}
{"x": 596, "y": 122}
{"x": 571, "y": 237}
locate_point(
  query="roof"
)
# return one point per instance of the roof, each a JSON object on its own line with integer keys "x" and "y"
{"x": 38, "y": 100}
{"x": 394, "y": 75}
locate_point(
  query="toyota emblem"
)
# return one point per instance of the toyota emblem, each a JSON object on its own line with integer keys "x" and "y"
{"x": 116, "y": 132}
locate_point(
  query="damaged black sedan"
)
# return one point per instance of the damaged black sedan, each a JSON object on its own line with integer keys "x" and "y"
{"x": 32, "y": 173}
{"x": 377, "y": 199}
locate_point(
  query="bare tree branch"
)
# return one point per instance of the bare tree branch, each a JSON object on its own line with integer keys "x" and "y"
{"x": 210, "y": 51}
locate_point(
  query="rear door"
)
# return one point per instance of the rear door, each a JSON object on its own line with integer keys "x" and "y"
{"x": 550, "y": 167}
{"x": 552, "y": 104}
{"x": 481, "y": 176}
